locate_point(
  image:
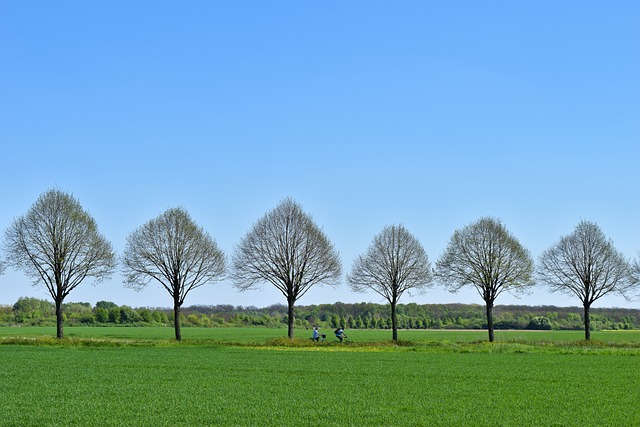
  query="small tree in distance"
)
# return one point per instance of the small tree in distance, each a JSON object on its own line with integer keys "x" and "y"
{"x": 586, "y": 264}
{"x": 288, "y": 250}
{"x": 57, "y": 243}
{"x": 395, "y": 263}
{"x": 175, "y": 252}
{"x": 486, "y": 256}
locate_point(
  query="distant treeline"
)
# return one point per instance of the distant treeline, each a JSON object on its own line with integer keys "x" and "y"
{"x": 37, "y": 312}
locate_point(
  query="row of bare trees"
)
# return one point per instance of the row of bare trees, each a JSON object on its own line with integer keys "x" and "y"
{"x": 57, "y": 244}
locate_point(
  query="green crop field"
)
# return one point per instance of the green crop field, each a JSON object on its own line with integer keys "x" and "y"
{"x": 249, "y": 377}
{"x": 257, "y": 335}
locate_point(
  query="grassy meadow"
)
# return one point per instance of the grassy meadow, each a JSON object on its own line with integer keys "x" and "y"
{"x": 139, "y": 376}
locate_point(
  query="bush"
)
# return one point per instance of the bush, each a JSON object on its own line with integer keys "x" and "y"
{"x": 193, "y": 320}
{"x": 539, "y": 323}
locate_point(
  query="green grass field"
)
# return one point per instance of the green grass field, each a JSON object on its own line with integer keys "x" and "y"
{"x": 139, "y": 376}
{"x": 245, "y": 335}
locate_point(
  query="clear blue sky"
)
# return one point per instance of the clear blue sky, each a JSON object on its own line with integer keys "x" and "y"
{"x": 430, "y": 114}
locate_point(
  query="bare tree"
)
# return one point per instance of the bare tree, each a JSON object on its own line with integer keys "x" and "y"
{"x": 486, "y": 256}
{"x": 286, "y": 249}
{"x": 58, "y": 243}
{"x": 635, "y": 271}
{"x": 395, "y": 263}
{"x": 175, "y": 252}
{"x": 585, "y": 264}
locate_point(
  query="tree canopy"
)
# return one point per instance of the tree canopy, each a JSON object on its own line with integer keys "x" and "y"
{"x": 585, "y": 264}
{"x": 395, "y": 263}
{"x": 57, "y": 244}
{"x": 175, "y": 252}
{"x": 486, "y": 256}
{"x": 635, "y": 271}
{"x": 286, "y": 249}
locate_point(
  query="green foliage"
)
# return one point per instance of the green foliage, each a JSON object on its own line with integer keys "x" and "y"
{"x": 6, "y": 315}
{"x": 102, "y": 315}
{"x": 358, "y": 316}
{"x": 114, "y": 315}
{"x": 145, "y": 315}
{"x": 78, "y": 313}
{"x": 160, "y": 317}
{"x": 106, "y": 305}
{"x": 193, "y": 320}
{"x": 539, "y": 323}
{"x": 33, "y": 311}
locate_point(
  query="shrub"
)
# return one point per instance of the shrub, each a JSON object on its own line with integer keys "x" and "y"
{"x": 539, "y": 323}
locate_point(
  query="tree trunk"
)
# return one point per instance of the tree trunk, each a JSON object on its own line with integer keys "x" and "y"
{"x": 290, "y": 332}
{"x": 587, "y": 322}
{"x": 176, "y": 320}
{"x": 59, "y": 328}
{"x": 394, "y": 322}
{"x": 490, "y": 320}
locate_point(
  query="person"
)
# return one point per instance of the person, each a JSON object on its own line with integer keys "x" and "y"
{"x": 316, "y": 334}
{"x": 340, "y": 333}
